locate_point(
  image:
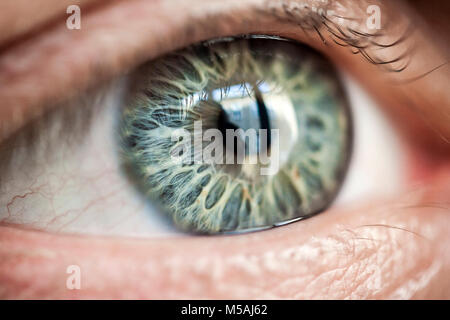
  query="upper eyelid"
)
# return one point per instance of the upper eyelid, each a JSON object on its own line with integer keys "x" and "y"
{"x": 16, "y": 82}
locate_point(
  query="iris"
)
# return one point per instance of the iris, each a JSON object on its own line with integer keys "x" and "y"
{"x": 272, "y": 103}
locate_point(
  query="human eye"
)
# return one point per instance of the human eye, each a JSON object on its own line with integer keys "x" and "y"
{"x": 101, "y": 160}
{"x": 287, "y": 99}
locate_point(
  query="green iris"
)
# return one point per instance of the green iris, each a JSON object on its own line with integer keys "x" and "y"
{"x": 276, "y": 87}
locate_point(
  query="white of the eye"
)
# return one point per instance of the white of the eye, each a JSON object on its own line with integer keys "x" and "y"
{"x": 79, "y": 186}
{"x": 377, "y": 163}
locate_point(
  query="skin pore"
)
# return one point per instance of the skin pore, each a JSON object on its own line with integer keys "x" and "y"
{"x": 392, "y": 248}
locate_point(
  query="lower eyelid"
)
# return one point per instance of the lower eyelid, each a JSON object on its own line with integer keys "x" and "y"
{"x": 349, "y": 250}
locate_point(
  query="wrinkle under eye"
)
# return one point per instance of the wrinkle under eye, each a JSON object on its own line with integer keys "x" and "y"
{"x": 287, "y": 94}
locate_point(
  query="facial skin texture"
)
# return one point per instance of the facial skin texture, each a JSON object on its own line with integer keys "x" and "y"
{"x": 392, "y": 248}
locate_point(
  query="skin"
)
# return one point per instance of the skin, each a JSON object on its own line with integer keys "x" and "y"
{"x": 389, "y": 248}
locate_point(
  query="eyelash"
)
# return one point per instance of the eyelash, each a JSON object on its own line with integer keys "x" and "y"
{"x": 359, "y": 42}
